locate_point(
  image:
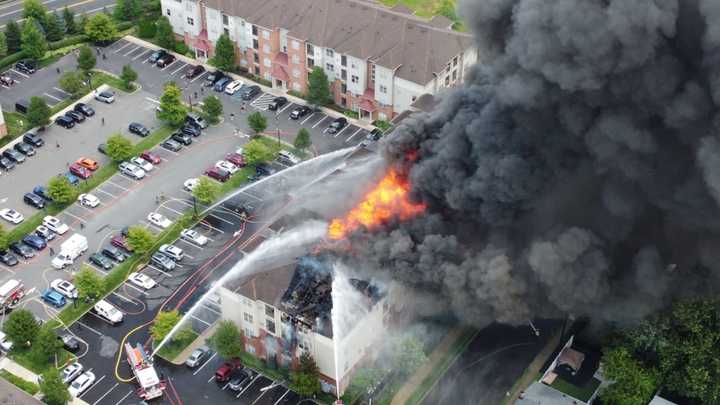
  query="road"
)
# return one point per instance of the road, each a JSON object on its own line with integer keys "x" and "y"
{"x": 12, "y": 10}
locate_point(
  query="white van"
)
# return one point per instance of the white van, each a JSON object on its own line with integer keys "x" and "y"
{"x": 73, "y": 247}
{"x": 287, "y": 158}
{"x": 108, "y": 312}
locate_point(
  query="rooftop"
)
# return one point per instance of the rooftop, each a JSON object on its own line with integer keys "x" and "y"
{"x": 392, "y": 38}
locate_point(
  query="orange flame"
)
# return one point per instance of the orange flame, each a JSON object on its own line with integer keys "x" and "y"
{"x": 389, "y": 199}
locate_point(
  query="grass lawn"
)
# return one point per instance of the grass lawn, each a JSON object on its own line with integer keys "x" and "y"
{"x": 24, "y": 358}
{"x": 430, "y": 8}
{"x": 16, "y": 125}
{"x": 173, "y": 348}
{"x": 582, "y": 393}
{"x": 27, "y": 386}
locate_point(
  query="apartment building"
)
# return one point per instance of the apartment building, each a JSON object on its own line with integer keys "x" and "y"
{"x": 378, "y": 60}
{"x": 286, "y": 311}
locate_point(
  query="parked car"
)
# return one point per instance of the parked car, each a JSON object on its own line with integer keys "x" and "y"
{"x": 141, "y": 280}
{"x": 172, "y": 252}
{"x": 337, "y": 125}
{"x": 53, "y": 298}
{"x": 191, "y": 130}
{"x": 287, "y": 158}
{"x": 190, "y": 184}
{"x": 300, "y": 111}
{"x": 264, "y": 169}
{"x": 182, "y": 138}
{"x": 84, "y": 109}
{"x": 88, "y": 200}
{"x": 24, "y": 148}
{"x": 81, "y": 383}
{"x": 197, "y": 356}
{"x": 224, "y": 372}
{"x": 34, "y": 241}
{"x": 5, "y": 343}
{"x": 76, "y": 116}
{"x": 108, "y": 312}
{"x": 6, "y": 164}
{"x": 213, "y": 78}
{"x": 42, "y": 192}
{"x": 8, "y": 258}
{"x": 138, "y": 129}
{"x": 165, "y": 60}
{"x": 142, "y": 163}
{"x": 218, "y": 174}
{"x": 70, "y": 343}
{"x": 87, "y": 163}
{"x": 276, "y": 103}
{"x": 227, "y": 166}
{"x": 65, "y": 121}
{"x": 196, "y": 120}
{"x": 6, "y": 80}
{"x": 159, "y": 220}
{"x": 70, "y": 372}
{"x": 22, "y": 250}
{"x": 194, "y": 236}
{"x": 121, "y": 242}
{"x": 101, "y": 261}
{"x": 114, "y": 253}
{"x": 165, "y": 263}
{"x": 236, "y": 159}
{"x": 157, "y": 55}
{"x": 151, "y": 157}
{"x": 239, "y": 380}
{"x": 73, "y": 179}
{"x": 65, "y": 288}
{"x": 33, "y": 139}
{"x": 171, "y": 145}
{"x": 14, "y": 155}
{"x": 194, "y": 71}
{"x": 131, "y": 170}
{"x": 80, "y": 171}
{"x": 233, "y": 86}
{"x": 25, "y": 66}
{"x": 34, "y": 200}
{"x": 220, "y": 85}
{"x": 248, "y": 92}
{"x": 55, "y": 225}
{"x": 45, "y": 233}
{"x": 102, "y": 148}
{"x": 11, "y": 215}
{"x": 106, "y": 97}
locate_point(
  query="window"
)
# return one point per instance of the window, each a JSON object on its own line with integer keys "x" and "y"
{"x": 270, "y": 326}
{"x": 225, "y": 19}
{"x": 254, "y": 30}
{"x": 257, "y": 70}
{"x": 329, "y": 67}
{"x": 266, "y": 34}
{"x": 329, "y": 53}
{"x": 247, "y": 317}
{"x": 455, "y": 60}
{"x": 310, "y": 63}
{"x": 295, "y": 45}
{"x": 269, "y": 311}
{"x": 266, "y": 48}
{"x": 267, "y": 62}
{"x": 167, "y": 11}
{"x": 343, "y": 88}
{"x": 383, "y": 89}
{"x": 343, "y": 74}
{"x": 343, "y": 102}
{"x": 413, "y": 99}
{"x": 372, "y": 73}
{"x": 353, "y": 66}
{"x": 310, "y": 50}
{"x": 296, "y": 73}
{"x": 447, "y": 80}
{"x": 454, "y": 75}
{"x": 256, "y": 58}
{"x": 354, "y": 79}
{"x": 226, "y": 31}
{"x": 343, "y": 60}
{"x": 190, "y": 21}
{"x": 295, "y": 59}
{"x": 256, "y": 44}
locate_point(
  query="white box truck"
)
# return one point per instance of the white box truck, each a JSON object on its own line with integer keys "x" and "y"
{"x": 73, "y": 247}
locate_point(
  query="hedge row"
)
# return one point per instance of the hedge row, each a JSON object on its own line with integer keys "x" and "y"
{"x": 71, "y": 40}
{"x": 11, "y": 59}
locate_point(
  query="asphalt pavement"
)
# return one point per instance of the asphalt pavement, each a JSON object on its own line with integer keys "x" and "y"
{"x": 13, "y": 10}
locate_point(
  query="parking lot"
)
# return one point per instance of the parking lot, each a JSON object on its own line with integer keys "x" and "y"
{"x": 153, "y": 78}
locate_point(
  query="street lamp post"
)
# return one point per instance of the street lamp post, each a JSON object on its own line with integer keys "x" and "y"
{"x": 277, "y": 128}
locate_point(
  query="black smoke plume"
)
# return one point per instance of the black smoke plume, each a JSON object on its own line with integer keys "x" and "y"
{"x": 577, "y": 171}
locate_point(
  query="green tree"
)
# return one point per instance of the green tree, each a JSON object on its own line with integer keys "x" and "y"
{"x": 38, "y": 113}
{"x": 140, "y": 239}
{"x": 126, "y": 10}
{"x": 119, "y": 148}
{"x": 54, "y": 390}
{"x": 410, "y": 355}
{"x": 33, "y": 41}
{"x": 257, "y": 122}
{"x": 206, "y": 190}
{"x": 318, "y": 92}
{"x": 61, "y": 191}
{"x": 228, "y": 340}
{"x": 21, "y": 327}
{"x": 36, "y": 10}
{"x": 82, "y": 24}
{"x": 213, "y": 108}
{"x": 305, "y": 380}
{"x": 164, "y": 33}
{"x": 172, "y": 111}
{"x": 128, "y": 76}
{"x": 302, "y": 139}
{"x": 69, "y": 19}
{"x": 3, "y": 45}
{"x": 362, "y": 380}
{"x": 54, "y": 30}
{"x": 72, "y": 82}
{"x": 12, "y": 36}
{"x": 86, "y": 59}
{"x": 257, "y": 152}
{"x": 224, "y": 58}
{"x": 100, "y": 28}
{"x": 163, "y": 324}
{"x": 46, "y": 344}
{"x": 146, "y": 28}
{"x": 633, "y": 383}
{"x": 89, "y": 284}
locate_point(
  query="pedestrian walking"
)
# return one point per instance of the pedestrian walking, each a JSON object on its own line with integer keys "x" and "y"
{"x": 97, "y": 50}
{"x": 82, "y": 225}
{"x": 58, "y": 70}
{"x": 232, "y": 116}
{"x": 102, "y": 120}
{"x": 52, "y": 252}
{"x": 104, "y": 57}
{"x": 242, "y": 106}
{"x": 57, "y": 144}
{"x": 202, "y": 90}
{"x": 195, "y": 94}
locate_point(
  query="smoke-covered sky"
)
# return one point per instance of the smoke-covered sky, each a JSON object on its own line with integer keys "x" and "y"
{"x": 576, "y": 172}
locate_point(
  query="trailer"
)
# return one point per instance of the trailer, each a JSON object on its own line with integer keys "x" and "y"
{"x": 150, "y": 385}
{"x": 10, "y": 294}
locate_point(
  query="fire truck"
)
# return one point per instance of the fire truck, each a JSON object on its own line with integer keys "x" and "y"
{"x": 10, "y": 294}
{"x": 142, "y": 367}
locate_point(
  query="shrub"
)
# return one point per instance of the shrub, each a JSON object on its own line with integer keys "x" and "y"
{"x": 181, "y": 48}
{"x": 71, "y": 40}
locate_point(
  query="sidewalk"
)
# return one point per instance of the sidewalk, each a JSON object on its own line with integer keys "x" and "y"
{"x": 18, "y": 370}
{"x": 434, "y": 361}
{"x": 180, "y": 359}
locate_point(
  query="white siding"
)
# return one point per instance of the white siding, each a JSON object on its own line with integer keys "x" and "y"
{"x": 177, "y": 14}
{"x": 192, "y": 11}
{"x": 360, "y": 66}
{"x": 383, "y": 81}
{"x": 404, "y": 91}
{"x": 214, "y": 24}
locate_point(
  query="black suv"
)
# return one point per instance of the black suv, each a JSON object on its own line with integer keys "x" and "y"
{"x": 25, "y": 66}
{"x": 337, "y": 124}
{"x": 213, "y": 78}
{"x": 181, "y": 137}
{"x": 264, "y": 169}
{"x": 34, "y": 200}
{"x": 22, "y": 250}
{"x": 114, "y": 253}
{"x": 138, "y": 129}
{"x": 300, "y": 112}
{"x": 8, "y": 258}
{"x": 191, "y": 130}
{"x": 84, "y": 109}
{"x": 248, "y": 92}
{"x": 24, "y": 148}
{"x": 276, "y": 103}
{"x": 33, "y": 139}
{"x": 76, "y": 116}
{"x": 194, "y": 71}
{"x": 165, "y": 60}
{"x": 14, "y": 155}
{"x": 65, "y": 121}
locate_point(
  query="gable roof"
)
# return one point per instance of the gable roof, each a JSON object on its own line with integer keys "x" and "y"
{"x": 395, "y": 40}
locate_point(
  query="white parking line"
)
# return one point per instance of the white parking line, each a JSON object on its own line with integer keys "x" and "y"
{"x": 167, "y": 66}
{"x": 122, "y": 297}
{"x": 90, "y": 387}
{"x": 117, "y": 185}
{"x": 203, "y": 223}
{"x": 178, "y": 69}
{"x": 353, "y": 135}
{"x": 283, "y": 396}
{"x": 341, "y": 131}
{"x": 131, "y": 51}
{"x": 305, "y": 120}
{"x": 211, "y": 378}
{"x": 52, "y": 97}
{"x": 248, "y": 386}
{"x": 171, "y": 210}
{"x": 91, "y": 329}
{"x": 199, "y": 76}
{"x": 105, "y": 192}
{"x": 61, "y": 90}
{"x": 66, "y": 212}
{"x": 318, "y": 123}
{"x": 187, "y": 243}
{"x": 258, "y": 398}
{"x": 123, "y": 398}
{"x": 106, "y": 394}
{"x": 96, "y": 268}
{"x": 204, "y": 364}
{"x": 19, "y": 73}
{"x": 221, "y": 219}
{"x": 158, "y": 270}
{"x": 84, "y": 207}
{"x": 284, "y": 108}
{"x": 127, "y": 284}
{"x": 141, "y": 54}
{"x": 123, "y": 47}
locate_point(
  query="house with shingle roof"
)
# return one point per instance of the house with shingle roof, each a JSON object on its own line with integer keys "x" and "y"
{"x": 378, "y": 60}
